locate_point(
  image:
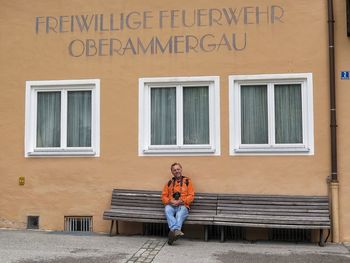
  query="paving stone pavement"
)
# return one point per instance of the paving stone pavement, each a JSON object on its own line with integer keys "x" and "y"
{"x": 148, "y": 251}
{"x": 20, "y": 246}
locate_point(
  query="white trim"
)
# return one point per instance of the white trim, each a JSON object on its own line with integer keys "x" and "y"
{"x": 236, "y": 148}
{"x": 146, "y": 149}
{"x": 32, "y": 87}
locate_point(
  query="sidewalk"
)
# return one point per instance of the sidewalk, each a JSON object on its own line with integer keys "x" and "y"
{"x": 22, "y": 246}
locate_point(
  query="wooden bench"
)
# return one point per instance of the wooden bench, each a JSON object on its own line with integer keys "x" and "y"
{"x": 273, "y": 211}
{"x": 261, "y": 211}
{"x": 146, "y": 207}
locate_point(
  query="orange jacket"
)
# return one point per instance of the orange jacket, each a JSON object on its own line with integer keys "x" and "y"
{"x": 173, "y": 186}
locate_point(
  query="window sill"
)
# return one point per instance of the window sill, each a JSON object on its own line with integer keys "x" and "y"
{"x": 62, "y": 153}
{"x": 180, "y": 151}
{"x": 272, "y": 151}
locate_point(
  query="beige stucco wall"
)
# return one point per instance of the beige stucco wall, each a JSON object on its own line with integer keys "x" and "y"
{"x": 82, "y": 186}
{"x": 342, "y": 52}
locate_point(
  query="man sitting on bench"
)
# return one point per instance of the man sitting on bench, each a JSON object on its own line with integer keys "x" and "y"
{"x": 177, "y": 196}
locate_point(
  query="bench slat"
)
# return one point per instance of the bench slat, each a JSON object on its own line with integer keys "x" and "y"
{"x": 286, "y": 203}
{"x": 117, "y": 209}
{"x": 275, "y": 214}
{"x": 276, "y": 207}
{"x": 260, "y": 225}
{"x": 266, "y": 217}
{"x": 270, "y": 197}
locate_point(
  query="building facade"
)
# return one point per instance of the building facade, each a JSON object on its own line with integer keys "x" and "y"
{"x": 107, "y": 94}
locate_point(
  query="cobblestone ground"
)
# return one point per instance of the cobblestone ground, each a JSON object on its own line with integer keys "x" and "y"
{"x": 148, "y": 251}
{"x": 56, "y": 247}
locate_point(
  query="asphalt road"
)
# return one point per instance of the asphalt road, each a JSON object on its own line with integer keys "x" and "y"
{"x": 19, "y": 246}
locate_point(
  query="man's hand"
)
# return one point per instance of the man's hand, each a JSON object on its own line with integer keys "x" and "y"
{"x": 176, "y": 202}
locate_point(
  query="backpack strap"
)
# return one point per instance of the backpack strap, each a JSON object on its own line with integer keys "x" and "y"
{"x": 186, "y": 180}
{"x": 184, "y": 177}
{"x": 170, "y": 181}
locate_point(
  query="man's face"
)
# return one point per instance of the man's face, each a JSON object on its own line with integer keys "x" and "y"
{"x": 176, "y": 170}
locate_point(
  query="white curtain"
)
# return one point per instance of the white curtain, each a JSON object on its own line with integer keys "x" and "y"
{"x": 48, "y": 119}
{"x": 196, "y": 115}
{"x": 79, "y": 119}
{"x": 288, "y": 114}
{"x": 163, "y": 116}
{"x": 254, "y": 114}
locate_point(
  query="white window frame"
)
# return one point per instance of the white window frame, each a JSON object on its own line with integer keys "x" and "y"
{"x": 145, "y": 147}
{"x": 32, "y": 88}
{"x": 304, "y": 148}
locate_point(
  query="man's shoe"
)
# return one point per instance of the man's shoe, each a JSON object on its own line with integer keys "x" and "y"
{"x": 171, "y": 237}
{"x": 178, "y": 233}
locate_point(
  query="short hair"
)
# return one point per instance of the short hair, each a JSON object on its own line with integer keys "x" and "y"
{"x": 171, "y": 167}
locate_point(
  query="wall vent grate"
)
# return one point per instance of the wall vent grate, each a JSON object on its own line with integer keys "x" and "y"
{"x": 155, "y": 229}
{"x": 291, "y": 235}
{"x": 78, "y": 223}
{"x": 33, "y": 222}
{"x": 230, "y": 232}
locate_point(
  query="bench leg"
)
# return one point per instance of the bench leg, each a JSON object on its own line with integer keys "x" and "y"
{"x": 116, "y": 228}
{"x": 321, "y": 243}
{"x": 222, "y": 234}
{"x": 111, "y": 229}
{"x": 205, "y": 233}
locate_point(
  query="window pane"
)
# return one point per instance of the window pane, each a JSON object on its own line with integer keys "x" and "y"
{"x": 79, "y": 119}
{"x": 288, "y": 114}
{"x": 163, "y": 116}
{"x": 254, "y": 116}
{"x": 48, "y": 119}
{"x": 196, "y": 115}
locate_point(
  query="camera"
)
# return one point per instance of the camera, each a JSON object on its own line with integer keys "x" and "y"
{"x": 176, "y": 195}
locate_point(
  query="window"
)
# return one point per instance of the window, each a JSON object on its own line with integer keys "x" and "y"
{"x": 62, "y": 118}
{"x": 179, "y": 116}
{"x": 271, "y": 114}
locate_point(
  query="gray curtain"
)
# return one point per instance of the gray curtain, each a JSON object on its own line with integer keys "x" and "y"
{"x": 254, "y": 115}
{"x": 79, "y": 119}
{"x": 196, "y": 115}
{"x": 163, "y": 116}
{"x": 288, "y": 114}
{"x": 48, "y": 119}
